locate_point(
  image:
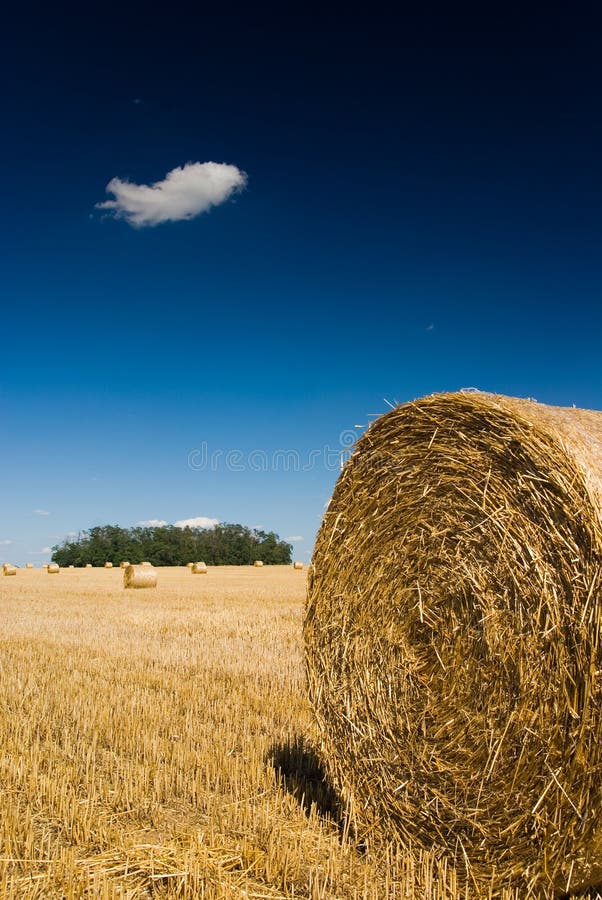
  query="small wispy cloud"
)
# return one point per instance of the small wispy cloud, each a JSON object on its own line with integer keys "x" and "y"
{"x": 185, "y": 192}
{"x": 152, "y": 523}
{"x": 43, "y": 552}
{"x": 197, "y": 522}
{"x": 5, "y": 543}
{"x": 41, "y": 512}
{"x": 294, "y": 538}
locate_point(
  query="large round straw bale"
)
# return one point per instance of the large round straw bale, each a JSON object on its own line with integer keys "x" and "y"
{"x": 199, "y": 568}
{"x": 139, "y": 577}
{"x": 8, "y": 569}
{"x": 453, "y": 636}
{"x": 108, "y": 565}
{"x": 53, "y": 568}
{"x": 258, "y": 563}
{"x": 297, "y": 564}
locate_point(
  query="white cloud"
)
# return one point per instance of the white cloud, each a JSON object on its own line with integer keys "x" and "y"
{"x": 5, "y": 543}
{"x": 152, "y": 523}
{"x": 198, "y": 522}
{"x": 184, "y": 193}
{"x": 41, "y": 512}
{"x": 294, "y": 538}
{"x": 46, "y": 550}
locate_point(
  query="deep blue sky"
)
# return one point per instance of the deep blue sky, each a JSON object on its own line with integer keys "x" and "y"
{"x": 423, "y": 212}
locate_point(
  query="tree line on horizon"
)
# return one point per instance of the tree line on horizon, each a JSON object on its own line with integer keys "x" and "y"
{"x": 167, "y": 545}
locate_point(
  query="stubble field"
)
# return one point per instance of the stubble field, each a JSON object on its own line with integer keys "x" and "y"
{"x": 158, "y": 744}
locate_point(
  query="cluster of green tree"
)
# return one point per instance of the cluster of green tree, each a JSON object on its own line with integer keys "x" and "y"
{"x": 223, "y": 545}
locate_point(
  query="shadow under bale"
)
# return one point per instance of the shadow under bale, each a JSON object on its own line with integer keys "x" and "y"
{"x": 303, "y": 776}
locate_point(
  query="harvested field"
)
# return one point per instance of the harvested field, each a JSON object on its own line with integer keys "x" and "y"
{"x": 157, "y": 744}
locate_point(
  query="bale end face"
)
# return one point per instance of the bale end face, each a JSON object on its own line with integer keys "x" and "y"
{"x": 53, "y": 569}
{"x": 297, "y": 565}
{"x": 453, "y": 636}
{"x": 8, "y": 569}
{"x": 258, "y": 563}
{"x": 199, "y": 569}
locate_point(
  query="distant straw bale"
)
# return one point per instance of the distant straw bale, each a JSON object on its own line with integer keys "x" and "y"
{"x": 258, "y": 563}
{"x": 297, "y": 564}
{"x": 146, "y": 564}
{"x": 88, "y": 565}
{"x": 199, "y": 568}
{"x": 453, "y": 637}
{"x": 29, "y": 565}
{"x": 124, "y": 564}
{"x": 142, "y": 576}
{"x": 8, "y": 569}
{"x": 53, "y": 568}
{"x": 108, "y": 565}
{"x": 189, "y": 565}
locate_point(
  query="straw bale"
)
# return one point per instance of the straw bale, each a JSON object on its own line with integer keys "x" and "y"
{"x": 142, "y": 576}
{"x": 258, "y": 563}
{"x": 297, "y": 564}
{"x": 453, "y": 637}
{"x": 199, "y": 568}
{"x": 146, "y": 563}
{"x": 8, "y": 569}
{"x": 29, "y": 565}
{"x": 53, "y": 568}
{"x": 189, "y": 565}
{"x": 88, "y": 565}
{"x": 108, "y": 565}
{"x": 124, "y": 563}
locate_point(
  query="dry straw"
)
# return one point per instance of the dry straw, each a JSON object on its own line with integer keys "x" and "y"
{"x": 453, "y": 637}
{"x": 189, "y": 565}
{"x": 124, "y": 564}
{"x": 258, "y": 563}
{"x": 88, "y": 565}
{"x": 108, "y": 565}
{"x": 8, "y": 569}
{"x": 297, "y": 564}
{"x": 199, "y": 568}
{"x": 29, "y": 565}
{"x": 52, "y": 568}
{"x": 142, "y": 576}
{"x": 146, "y": 564}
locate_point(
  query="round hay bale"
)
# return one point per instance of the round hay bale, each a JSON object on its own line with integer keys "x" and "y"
{"x": 124, "y": 564}
{"x": 8, "y": 569}
{"x": 53, "y": 568}
{"x": 297, "y": 564}
{"x": 189, "y": 565}
{"x": 199, "y": 569}
{"x": 453, "y": 637}
{"x": 88, "y": 565}
{"x": 29, "y": 565}
{"x": 108, "y": 565}
{"x": 146, "y": 564}
{"x": 71, "y": 566}
{"x": 258, "y": 563}
{"x": 139, "y": 577}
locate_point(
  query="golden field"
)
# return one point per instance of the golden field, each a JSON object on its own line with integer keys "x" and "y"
{"x": 157, "y": 744}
